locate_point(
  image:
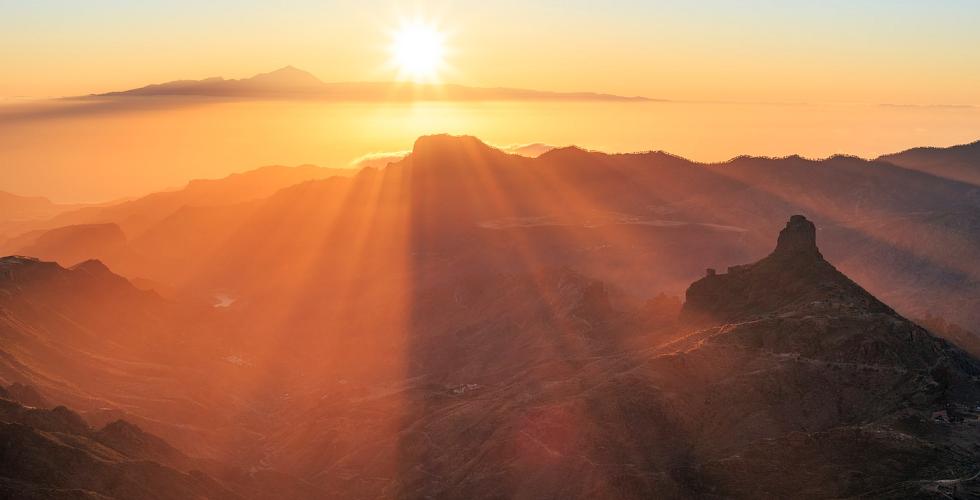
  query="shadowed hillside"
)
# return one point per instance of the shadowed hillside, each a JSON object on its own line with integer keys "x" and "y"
{"x": 961, "y": 163}
{"x": 469, "y": 323}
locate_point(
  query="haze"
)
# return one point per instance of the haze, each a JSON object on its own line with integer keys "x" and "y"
{"x": 572, "y": 250}
{"x": 762, "y": 78}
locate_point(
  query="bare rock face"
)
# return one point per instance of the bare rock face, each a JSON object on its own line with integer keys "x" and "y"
{"x": 794, "y": 275}
{"x": 798, "y": 239}
{"x": 795, "y": 383}
{"x": 795, "y": 302}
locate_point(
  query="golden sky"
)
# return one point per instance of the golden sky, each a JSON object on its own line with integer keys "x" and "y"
{"x": 759, "y": 77}
{"x": 874, "y": 51}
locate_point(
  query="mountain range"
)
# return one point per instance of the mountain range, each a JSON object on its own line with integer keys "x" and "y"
{"x": 21, "y": 211}
{"x": 910, "y": 235}
{"x": 133, "y": 215}
{"x": 778, "y": 378}
{"x": 293, "y": 83}
{"x": 961, "y": 163}
{"x": 467, "y": 323}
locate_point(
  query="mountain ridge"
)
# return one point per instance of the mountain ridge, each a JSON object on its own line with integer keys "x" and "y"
{"x": 868, "y": 212}
{"x": 795, "y": 269}
{"x": 290, "y": 82}
{"x": 959, "y": 162}
{"x": 529, "y": 374}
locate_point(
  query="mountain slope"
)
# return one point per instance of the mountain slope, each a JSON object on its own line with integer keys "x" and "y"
{"x": 885, "y": 378}
{"x": 793, "y": 276}
{"x": 16, "y": 207}
{"x": 784, "y": 379}
{"x": 87, "y": 338}
{"x": 55, "y": 454}
{"x": 135, "y": 216}
{"x": 909, "y": 237}
{"x": 71, "y": 244}
{"x": 117, "y": 233}
{"x": 460, "y": 365}
{"x": 960, "y": 162}
{"x": 16, "y": 210}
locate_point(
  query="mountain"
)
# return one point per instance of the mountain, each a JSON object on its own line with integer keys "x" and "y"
{"x": 16, "y": 210}
{"x": 135, "y": 215}
{"x": 26, "y": 395}
{"x": 53, "y": 453}
{"x": 71, "y": 244}
{"x": 783, "y": 378}
{"x": 796, "y": 266}
{"x": 814, "y": 323}
{"x": 912, "y": 238}
{"x": 284, "y": 81}
{"x": 550, "y": 384}
{"x": 292, "y": 83}
{"x": 467, "y": 323}
{"x": 102, "y": 231}
{"x": 438, "y": 266}
{"x": 909, "y": 237}
{"x": 85, "y": 337}
{"x": 286, "y": 77}
{"x": 125, "y": 360}
{"x": 961, "y": 163}
{"x": 17, "y": 207}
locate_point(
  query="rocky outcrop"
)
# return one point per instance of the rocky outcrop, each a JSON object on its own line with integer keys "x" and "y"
{"x": 797, "y": 240}
{"x": 794, "y": 275}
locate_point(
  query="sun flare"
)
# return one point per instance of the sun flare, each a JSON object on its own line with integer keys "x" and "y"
{"x": 418, "y": 51}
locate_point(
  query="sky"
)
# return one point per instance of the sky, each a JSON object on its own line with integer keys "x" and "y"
{"x": 869, "y": 51}
{"x": 758, "y": 77}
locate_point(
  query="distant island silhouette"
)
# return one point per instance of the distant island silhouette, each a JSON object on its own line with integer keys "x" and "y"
{"x": 293, "y": 83}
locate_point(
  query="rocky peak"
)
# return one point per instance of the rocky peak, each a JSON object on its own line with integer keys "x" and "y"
{"x": 794, "y": 275}
{"x": 434, "y": 146}
{"x": 798, "y": 238}
{"x": 448, "y": 158}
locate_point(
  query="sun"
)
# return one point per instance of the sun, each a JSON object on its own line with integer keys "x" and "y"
{"x": 418, "y": 50}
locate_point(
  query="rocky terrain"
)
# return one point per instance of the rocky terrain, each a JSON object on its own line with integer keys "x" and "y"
{"x": 468, "y": 323}
{"x": 783, "y": 378}
{"x": 778, "y": 378}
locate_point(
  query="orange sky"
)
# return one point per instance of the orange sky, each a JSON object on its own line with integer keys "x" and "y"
{"x": 759, "y": 50}
{"x": 761, "y": 77}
